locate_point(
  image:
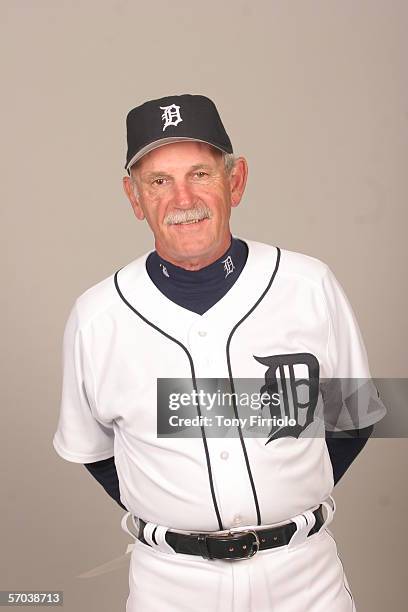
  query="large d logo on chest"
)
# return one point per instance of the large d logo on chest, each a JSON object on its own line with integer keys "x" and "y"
{"x": 295, "y": 378}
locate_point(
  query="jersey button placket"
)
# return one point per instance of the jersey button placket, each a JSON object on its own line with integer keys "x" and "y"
{"x": 200, "y": 343}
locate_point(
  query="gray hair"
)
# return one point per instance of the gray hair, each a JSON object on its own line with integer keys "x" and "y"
{"x": 229, "y": 162}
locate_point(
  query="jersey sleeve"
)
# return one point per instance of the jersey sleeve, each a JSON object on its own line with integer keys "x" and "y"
{"x": 80, "y": 436}
{"x": 351, "y": 399}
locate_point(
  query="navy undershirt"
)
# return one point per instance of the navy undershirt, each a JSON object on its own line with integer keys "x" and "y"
{"x": 198, "y": 291}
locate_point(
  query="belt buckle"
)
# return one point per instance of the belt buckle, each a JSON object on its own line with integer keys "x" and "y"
{"x": 233, "y": 536}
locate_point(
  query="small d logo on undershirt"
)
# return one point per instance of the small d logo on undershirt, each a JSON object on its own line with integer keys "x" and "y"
{"x": 228, "y": 266}
{"x": 164, "y": 270}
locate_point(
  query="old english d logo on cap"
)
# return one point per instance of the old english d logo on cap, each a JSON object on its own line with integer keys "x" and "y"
{"x": 171, "y": 115}
{"x": 171, "y": 119}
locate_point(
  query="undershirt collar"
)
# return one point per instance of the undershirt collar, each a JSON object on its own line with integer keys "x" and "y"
{"x": 198, "y": 290}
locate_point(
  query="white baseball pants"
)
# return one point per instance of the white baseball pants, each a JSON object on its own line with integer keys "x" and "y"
{"x": 305, "y": 576}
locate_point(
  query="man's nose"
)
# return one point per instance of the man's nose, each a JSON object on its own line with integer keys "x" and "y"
{"x": 183, "y": 194}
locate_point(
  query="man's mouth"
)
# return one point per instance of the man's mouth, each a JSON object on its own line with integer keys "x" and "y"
{"x": 189, "y": 222}
{"x": 188, "y": 217}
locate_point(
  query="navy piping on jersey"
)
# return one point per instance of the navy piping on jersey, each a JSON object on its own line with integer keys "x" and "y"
{"x": 193, "y": 376}
{"x": 258, "y": 513}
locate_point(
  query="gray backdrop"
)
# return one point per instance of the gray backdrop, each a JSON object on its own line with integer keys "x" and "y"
{"x": 315, "y": 95}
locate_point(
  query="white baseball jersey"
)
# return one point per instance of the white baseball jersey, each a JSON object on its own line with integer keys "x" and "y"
{"x": 123, "y": 334}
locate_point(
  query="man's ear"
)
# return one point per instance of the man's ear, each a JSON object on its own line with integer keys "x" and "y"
{"x": 238, "y": 179}
{"x": 130, "y": 191}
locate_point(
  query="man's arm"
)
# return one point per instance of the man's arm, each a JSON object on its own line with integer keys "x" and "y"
{"x": 344, "y": 446}
{"x": 105, "y": 473}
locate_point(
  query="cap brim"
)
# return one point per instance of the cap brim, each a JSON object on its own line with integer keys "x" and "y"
{"x": 164, "y": 141}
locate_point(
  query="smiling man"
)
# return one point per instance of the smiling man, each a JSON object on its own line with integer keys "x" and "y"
{"x": 185, "y": 192}
{"x": 206, "y": 305}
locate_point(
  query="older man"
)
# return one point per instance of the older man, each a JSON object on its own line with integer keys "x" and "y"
{"x": 208, "y": 306}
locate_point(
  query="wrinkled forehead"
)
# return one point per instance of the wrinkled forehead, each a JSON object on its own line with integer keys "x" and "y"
{"x": 177, "y": 155}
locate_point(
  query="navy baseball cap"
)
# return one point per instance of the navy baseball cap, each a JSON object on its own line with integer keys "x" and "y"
{"x": 171, "y": 119}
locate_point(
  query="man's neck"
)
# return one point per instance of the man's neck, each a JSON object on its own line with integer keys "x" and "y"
{"x": 196, "y": 263}
{"x": 198, "y": 290}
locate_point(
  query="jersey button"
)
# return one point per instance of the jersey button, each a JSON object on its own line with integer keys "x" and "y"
{"x": 202, "y": 333}
{"x": 224, "y": 455}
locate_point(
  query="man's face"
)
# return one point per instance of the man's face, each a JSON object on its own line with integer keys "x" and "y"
{"x": 185, "y": 194}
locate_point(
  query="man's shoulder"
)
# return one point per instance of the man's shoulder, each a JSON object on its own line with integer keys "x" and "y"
{"x": 292, "y": 263}
{"x": 103, "y": 295}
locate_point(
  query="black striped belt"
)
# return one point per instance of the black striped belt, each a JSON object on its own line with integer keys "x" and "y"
{"x": 233, "y": 545}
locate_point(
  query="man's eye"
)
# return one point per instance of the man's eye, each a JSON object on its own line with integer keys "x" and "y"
{"x": 159, "y": 181}
{"x": 201, "y": 173}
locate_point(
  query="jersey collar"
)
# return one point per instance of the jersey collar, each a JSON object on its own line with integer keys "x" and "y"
{"x": 147, "y": 299}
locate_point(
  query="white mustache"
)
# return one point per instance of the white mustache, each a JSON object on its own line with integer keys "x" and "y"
{"x": 198, "y": 213}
